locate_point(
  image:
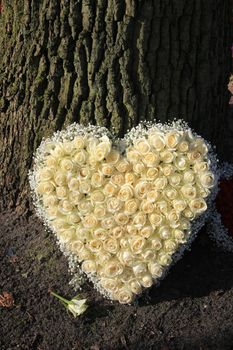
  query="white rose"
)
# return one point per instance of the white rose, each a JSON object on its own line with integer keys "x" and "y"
{"x": 58, "y": 151}
{"x": 178, "y": 235}
{"x": 97, "y": 196}
{"x": 179, "y": 204}
{"x": 45, "y": 188}
{"x": 155, "y": 269}
{"x": 123, "y": 166}
{"x": 121, "y": 218}
{"x": 207, "y": 179}
{"x": 173, "y": 217}
{"x": 175, "y": 179}
{"x": 156, "y": 243}
{"x": 102, "y": 149}
{"x": 194, "y": 155}
{"x": 84, "y": 172}
{"x": 81, "y": 157}
{"x": 89, "y": 266}
{"x": 147, "y": 207}
{"x": 146, "y": 232}
{"x": 73, "y": 184}
{"x": 152, "y": 173}
{"x": 84, "y": 186}
{"x": 118, "y": 179}
{"x": 110, "y": 189}
{"x": 148, "y": 254}
{"x": 139, "y": 219}
{"x": 200, "y": 145}
{"x": 188, "y": 214}
{"x": 67, "y": 235}
{"x": 112, "y": 268}
{"x": 164, "y": 259}
{"x": 113, "y": 204}
{"x": 84, "y": 254}
{"x": 97, "y": 180}
{"x": 45, "y": 174}
{"x": 170, "y": 193}
{"x": 156, "y": 139}
{"x": 167, "y": 170}
{"x": 111, "y": 245}
{"x": 124, "y": 296}
{"x": 188, "y": 191}
{"x": 139, "y": 268}
{"x": 51, "y": 162}
{"x": 142, "y": 146}
{"x": 172, "y": 139}
{"x": 84, "y": 206}
{"x": 165, "y": 232}
{"x": 198, "y": 205}
{"x": 100, "y": 233}
{"x": 99, "y": 211}
{"x": 155, "y": 219}
{"x": 162, "y": 206}
{"x": 60, "y": 178}
{"x": 103, "y": 257}
{"x": 126, "y": 192}
{"x": 167, "y": 156}
{"x": 130, "y": 177}
{"x": 113, "y": 157}
{"x": 126, "y": 257}
{"x": 89, "y": 221}
{"x": 50, "y": 200}
{"x": 181, "y": 162}
{"x": 75, "y": 197}
{"x": 79, "y": 142}
{"x": 132, "y": 230}
{"x": 107, "y": 169}
{"x": 131, "y": 206}
{"x": 189, "y": 177}
{"x": 109, "y": 284}
{"x": 139, "y": 168}
{"x": 151, "y": 159}
{"x": 107, "y": 222}
{"x": 200, "y": 167}
{"x": 137, "y": 243}
{"x": 66, "y": 206}
{"x": 146, "y": 280}
{"x": 183, "y": 146}
{"x": 133, "y": 155}
{"x": 95, "y": 245}
{"x": 170, "y": 246}
{"x": 160, "y": 183}
{"x": 76, "y": 246}
{"x": 66, "y": 164}
{"x": 135, "y": 287}
{"x": 141, "y": 189}
{"x": 117, "y": 232}
{"x": 152, "y": 196}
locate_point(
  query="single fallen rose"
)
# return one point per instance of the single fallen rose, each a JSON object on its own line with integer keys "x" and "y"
{"x": 76, "y": 305}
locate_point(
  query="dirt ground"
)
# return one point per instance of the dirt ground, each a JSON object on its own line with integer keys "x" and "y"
{"x": 192, "y": 309}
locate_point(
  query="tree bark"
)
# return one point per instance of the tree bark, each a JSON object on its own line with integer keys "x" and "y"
{"x": 111, "y": 63}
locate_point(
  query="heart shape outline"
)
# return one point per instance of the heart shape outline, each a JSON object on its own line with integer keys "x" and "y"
{"x": 122, "y": 145}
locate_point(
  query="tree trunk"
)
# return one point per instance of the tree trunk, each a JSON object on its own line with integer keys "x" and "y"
{"x": 108, "y": 62}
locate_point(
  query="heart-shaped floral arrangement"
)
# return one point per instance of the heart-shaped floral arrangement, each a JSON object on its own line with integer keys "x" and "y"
{"x": 124, "y": 209}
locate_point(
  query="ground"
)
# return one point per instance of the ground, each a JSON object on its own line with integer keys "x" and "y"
{"x": 192, "y": 308}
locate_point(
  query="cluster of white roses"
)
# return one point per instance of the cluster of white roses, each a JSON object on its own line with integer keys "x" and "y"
{"x": 123, "y": 213}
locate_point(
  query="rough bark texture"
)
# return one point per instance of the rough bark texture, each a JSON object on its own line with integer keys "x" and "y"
{"x": 112, "y": 63}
